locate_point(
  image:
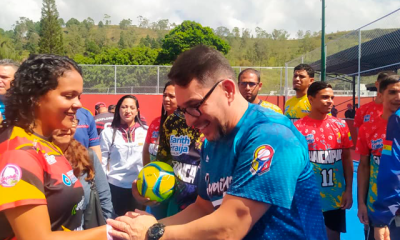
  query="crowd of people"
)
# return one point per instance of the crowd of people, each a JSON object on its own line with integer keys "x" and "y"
{"x": 245, "y": 169}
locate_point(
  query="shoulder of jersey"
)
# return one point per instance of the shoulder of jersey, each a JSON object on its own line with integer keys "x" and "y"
{"x": 83, "y": 109}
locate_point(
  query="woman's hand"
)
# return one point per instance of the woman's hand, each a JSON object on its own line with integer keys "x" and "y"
{"x": 140, "y": 199}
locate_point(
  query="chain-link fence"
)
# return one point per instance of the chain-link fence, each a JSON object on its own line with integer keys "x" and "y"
{"x": 356, "y": 58}
{"x": 121, "y": 79}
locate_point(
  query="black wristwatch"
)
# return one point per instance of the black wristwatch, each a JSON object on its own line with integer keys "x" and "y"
{"x": 156, "y": 231}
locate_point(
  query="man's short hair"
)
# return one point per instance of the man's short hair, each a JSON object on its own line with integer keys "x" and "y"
{"x": 307, "y": 68}
{"x": 392, "y": 79}
{"x": 205, "y": 64}
{"x": 111, "y": 107}
{"x": 251, "y": 70}
{"x": 10, "y": 63}
{"x": 315, "y": 87}
{"x": 384, "y": 74}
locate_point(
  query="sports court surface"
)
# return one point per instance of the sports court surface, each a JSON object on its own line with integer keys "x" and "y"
{"x": 354, "y": 227}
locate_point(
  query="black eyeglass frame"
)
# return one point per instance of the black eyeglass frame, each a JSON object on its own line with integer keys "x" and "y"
{"x": 195, "y": 111}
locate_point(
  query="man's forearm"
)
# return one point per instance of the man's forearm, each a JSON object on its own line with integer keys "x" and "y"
{"x": 210, "y": 227}
{"x": 362, "y": 182}
{"x": 191, "y": 213}
{"x": 348, "y": 169}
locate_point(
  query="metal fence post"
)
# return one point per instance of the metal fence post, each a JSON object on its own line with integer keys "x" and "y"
{"x": 115, "y": 79}
{"x": 280, "y": 83}
{"x": 158, "y": 79}
{"x": 286, "y": 82}
{"x": 359, "y": 67}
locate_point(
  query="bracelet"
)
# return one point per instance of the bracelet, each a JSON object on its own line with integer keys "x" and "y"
{"x": 108, "y": 228}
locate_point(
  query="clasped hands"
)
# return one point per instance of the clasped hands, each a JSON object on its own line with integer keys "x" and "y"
{"x": 132, "y": 226}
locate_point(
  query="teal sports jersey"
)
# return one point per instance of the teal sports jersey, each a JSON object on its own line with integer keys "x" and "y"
{"x": 265, "y": 159}
{"x": 326, "y": 140}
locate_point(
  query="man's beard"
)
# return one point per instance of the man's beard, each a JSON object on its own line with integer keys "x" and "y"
{"x": 221, "y": 131}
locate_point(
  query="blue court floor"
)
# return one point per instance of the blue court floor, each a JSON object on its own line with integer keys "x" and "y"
{"x": 355, "y": 230}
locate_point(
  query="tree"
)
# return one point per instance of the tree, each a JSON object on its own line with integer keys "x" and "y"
{"x": 143, "y": 22}
{"x": 121, "y": 42}
{"x": 125, "y": 23}
{"x": 223, "y": 32}
{"x": 107, "y": 19}
{"x": 280, "y": 34}
{"x": 62, "y": 22}
{"x": 101, "y": 24}
{"x": 72, "y": 21}
{"x": 186, "y": 36}
{"x": 88, "y": 23}
{"x": 51, "y": 38}
{"x": 260, "y": 33}
{"x": 236, "y": 32}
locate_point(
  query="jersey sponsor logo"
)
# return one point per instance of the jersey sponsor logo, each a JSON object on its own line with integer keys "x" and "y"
{"x": 326, "y": 156}
{"x": 367, "y": 118}
{"x": 71, "y": 176}
{"x": 262, "y": 159}
{"x": 66, "y": 180}
{"x": 154, "y": 134}
{"x": 218, "y": 188}
{"x": 310, "y": 138}
{"x": 179, "y": 145}
{"x": 185, "y": 172}
{"x": 377, "y": 159}
{"x": 10, "y": 175}
{"x": 377, "y": 144}
{"x": 78, "y": 206}
{"x": 51, "y": 159}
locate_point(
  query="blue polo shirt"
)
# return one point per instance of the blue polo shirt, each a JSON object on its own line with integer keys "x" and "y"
{"x": 265, "y": 159}
{"x": 86, "y": 132}
{"x": 2, "y": 109}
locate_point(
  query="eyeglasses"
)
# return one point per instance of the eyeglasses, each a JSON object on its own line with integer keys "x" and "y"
{"x": 244, "y": 84}
{"x": 194, "y": 111}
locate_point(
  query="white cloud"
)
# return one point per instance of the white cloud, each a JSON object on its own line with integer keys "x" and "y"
{"x": 291, "y": 15}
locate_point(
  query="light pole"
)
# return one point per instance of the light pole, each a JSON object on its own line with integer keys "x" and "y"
{"x": 323, "y": 54}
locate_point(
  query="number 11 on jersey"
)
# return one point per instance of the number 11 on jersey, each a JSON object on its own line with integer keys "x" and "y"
{"x": 327, "y": 178}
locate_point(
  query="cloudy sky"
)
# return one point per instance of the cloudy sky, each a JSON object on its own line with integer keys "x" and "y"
{"x": 291, "y": 15}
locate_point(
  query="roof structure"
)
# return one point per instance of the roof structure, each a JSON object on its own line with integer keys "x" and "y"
{"x": 379, "y": 54}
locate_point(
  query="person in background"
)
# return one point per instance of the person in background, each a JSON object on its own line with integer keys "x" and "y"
{"x": 86, "y": 132}
{"x": 334, "y": 111}
{"x": 370, "y": 143}
{"x": 152, "y": 143}
{"x": 329, "y": 143}
{"x": 103, "y": 118}
{"x": 373, "y": 108}
{"x": 111, "y": 109}
{"x": 38, "y": 187}
{"x": 7, "y": 70}
{"x": 249, "y": 185}
{"x": 153, "y": 134}
{"x": 122, "y": 149}
{"x": 298, "y": 106}
{"x": 387, "y": 204}
{"x": 350, "y": 112}
{"x": 249, "y": 81}
{"x": 85, "y": 168}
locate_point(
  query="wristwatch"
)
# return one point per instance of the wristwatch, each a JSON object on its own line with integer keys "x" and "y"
{"x": 156, "y": 231}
